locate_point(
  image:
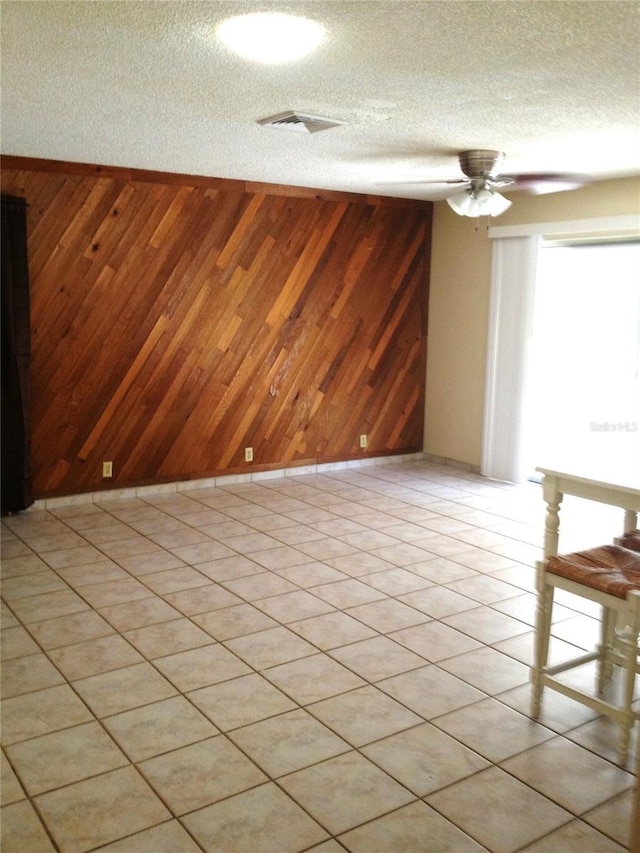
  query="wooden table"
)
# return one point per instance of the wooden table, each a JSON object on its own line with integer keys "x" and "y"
{"x": 556, "y": 484}
{"x": 623, "y": 494}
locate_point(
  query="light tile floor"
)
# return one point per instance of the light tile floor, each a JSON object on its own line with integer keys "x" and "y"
{"x": 322, "y": 662}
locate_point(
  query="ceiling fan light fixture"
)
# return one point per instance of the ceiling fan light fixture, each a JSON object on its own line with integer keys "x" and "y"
{"x": 462, "y": 203}
{"x": 474, "y": 203}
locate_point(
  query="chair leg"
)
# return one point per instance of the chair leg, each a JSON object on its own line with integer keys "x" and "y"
{"x": 541, "y": 646}
{"x": 607, "y": 634}
{"x": 629, "y": 642}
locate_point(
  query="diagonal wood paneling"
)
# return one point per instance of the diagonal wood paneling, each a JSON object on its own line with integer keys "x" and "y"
{"x": 176, "y": 321}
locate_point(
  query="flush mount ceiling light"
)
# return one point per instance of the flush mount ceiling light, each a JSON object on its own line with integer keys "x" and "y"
{"x": 270, "y": 37}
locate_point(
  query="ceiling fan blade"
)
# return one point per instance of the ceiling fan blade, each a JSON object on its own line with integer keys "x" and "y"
{"x": 540, "y": 184}
{"x": 441, "y": 183}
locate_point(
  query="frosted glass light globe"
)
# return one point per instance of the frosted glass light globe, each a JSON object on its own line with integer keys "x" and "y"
{"x": 270, "y": 37}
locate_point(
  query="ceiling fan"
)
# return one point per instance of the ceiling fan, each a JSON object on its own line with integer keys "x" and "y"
{"x": 482, "y": 169}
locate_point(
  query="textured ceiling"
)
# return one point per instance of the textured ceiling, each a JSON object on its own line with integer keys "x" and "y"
{"x": 556, "y": 85}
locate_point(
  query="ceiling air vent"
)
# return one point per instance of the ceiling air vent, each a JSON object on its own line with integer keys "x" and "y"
{"x": 301, "y": 122}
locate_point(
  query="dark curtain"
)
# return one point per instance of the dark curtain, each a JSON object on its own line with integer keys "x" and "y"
{"x": 16, "y": 356}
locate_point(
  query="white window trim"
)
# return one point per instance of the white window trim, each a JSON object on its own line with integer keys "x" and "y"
{"x": 609, "y": 226}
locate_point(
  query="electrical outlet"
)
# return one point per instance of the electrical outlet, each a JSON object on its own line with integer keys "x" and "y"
{"x": 107, "y": 469}
{"x": 248, "y": 454}
{"x": 363, "y": 441}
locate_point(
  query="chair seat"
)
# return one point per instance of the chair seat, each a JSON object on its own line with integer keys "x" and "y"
{"x": 609, "y": 568}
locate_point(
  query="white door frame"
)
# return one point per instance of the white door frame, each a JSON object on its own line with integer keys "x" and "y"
{"x": 510, "y": 326}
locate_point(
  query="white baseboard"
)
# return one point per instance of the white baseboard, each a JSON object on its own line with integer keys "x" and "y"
{"x": 215, "y": 482}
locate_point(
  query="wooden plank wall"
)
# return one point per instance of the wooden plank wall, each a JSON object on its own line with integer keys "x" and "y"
{"x": 178, "y": 320}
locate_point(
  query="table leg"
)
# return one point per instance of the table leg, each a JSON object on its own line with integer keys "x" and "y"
{"x": 552, "y": 524}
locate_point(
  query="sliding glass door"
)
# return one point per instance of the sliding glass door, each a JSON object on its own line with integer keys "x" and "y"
{"x": 585, "y": 359}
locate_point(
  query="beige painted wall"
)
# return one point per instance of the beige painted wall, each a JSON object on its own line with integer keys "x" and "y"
{"x": 459, "y": 305}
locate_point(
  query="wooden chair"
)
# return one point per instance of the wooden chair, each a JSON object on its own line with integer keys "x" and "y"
{"x": 629, "y": 540}
{"x": 610, "y": 576}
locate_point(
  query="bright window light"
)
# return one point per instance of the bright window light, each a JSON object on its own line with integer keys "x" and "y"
{"x": 270, "y": 37}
